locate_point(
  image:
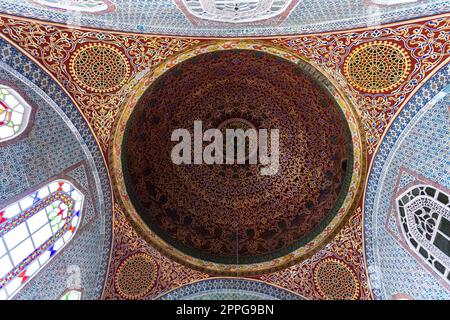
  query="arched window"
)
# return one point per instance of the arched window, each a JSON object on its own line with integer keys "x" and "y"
{"x": 236, "y": 11}
{"x": 91, "y": 6}
{"x": 14, "y": 113}
{"x": 33, "y": 230}
{"x": 72, "y": 294}
{"x": 424, "y": 215}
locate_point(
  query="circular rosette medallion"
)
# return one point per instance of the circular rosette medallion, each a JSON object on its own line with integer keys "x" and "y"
{"x": 335, "y": 280}
{"x": 99, "y": 67}
{"x": 136, "y": 276}
{"x": 377, "y": 67}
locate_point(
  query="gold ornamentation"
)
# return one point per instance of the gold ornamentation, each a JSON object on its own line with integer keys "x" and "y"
{"x": 377, "y": 66}
{"x": 99, "y": 68}
{"x": 136, "y": 276}
{"x": 349, "y": 203}
{"x": 335, "y": 280}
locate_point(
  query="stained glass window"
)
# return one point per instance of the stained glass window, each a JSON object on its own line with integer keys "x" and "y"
{"x": 14, "y": 113}
{"x": 236, "y": 11}
{"x": 72, "y": 295}
{"x": 33, "y": 230}
{"x": 424, "y": 215}
{"x": 77, "y": 5}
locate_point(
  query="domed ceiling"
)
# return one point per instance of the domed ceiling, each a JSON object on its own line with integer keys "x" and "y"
{"x": 341, "y": 101}
{"x": 231, "y": 213}
{"x": 181, "y": 17}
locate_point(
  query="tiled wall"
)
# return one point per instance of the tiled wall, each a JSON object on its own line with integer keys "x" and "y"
{"x": 58, "y": 144}
{"x": 419, "y": 142}
{"x": 164, "y": 17}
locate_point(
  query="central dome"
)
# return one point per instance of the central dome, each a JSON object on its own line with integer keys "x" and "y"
{"x": 231, "y": 214}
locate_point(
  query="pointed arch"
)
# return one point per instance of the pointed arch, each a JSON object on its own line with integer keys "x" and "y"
{"x": 34, "y": 229}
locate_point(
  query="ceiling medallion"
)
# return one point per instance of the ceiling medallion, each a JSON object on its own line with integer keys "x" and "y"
{"x": 136, "y": 276}
{"x": 234, "y": 124}
{"x": 203, "y": 215}
{"x": 335, "y": 280}
{"x": 99, "y": 67}
{"x": 377, "y": 67}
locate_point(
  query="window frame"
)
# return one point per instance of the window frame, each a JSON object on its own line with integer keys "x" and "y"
{"x": 217, "y": 16}
{"x": 68, "y": 290}
{"x": 405, "y": 216}
{"x": 66, "y": 243}
{"x": 23, "y": 98}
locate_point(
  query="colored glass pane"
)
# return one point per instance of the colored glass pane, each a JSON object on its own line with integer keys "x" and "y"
{"x": 76, "y": 5}
{"x": 14, "y": 113}
{"x": 71, "y": 295}
{"x": 33, "y": 230}
{"x": 424, "y": 216}
{"x": 236, "y": 11}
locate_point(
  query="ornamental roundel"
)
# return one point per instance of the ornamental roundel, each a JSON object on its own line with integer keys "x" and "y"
{"x": 136, "y": 276}
{"x": 99, "y": 68}
{"x": 377, "y": 66}
{"x": 335, "y": 280}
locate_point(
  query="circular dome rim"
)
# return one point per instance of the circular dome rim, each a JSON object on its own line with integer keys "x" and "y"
{"x": 138, "y": 86}
{"x": 259, "y": 257}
